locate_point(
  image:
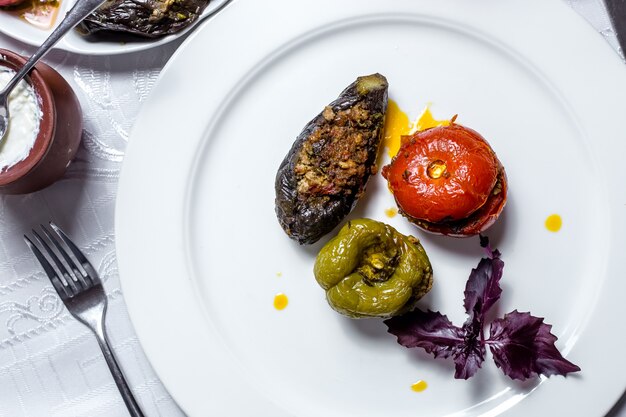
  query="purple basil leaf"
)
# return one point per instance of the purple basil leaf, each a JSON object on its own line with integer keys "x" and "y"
{"x": 483, "y": 286}
{"x": 472, "y": 354}
{"x": 522, "y": 346}
{"x": 434, "y": 333}
{"x": 468, "y": 361}
{"x": 429, "y": 330}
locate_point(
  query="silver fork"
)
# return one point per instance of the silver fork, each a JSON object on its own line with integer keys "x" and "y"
{"x": 78, "y": 285}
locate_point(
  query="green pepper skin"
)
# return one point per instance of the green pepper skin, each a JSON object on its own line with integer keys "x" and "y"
{"x": 344, "y": 269}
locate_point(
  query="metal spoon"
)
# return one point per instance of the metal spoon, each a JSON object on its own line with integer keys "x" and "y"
{"x": 80, "y": 10}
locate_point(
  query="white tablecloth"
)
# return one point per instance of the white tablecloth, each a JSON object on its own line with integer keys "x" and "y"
{"x": 50, "y": 365}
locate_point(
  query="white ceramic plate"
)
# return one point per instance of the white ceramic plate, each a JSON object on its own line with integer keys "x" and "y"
{"x": 201, "y": 254}
{"x": 17, "y": 28}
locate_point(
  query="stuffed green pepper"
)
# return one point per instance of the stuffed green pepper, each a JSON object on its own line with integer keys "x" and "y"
{"x": 371, "y": 270}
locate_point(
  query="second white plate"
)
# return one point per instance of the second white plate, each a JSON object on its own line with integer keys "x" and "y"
{"x": 19, "y": 29}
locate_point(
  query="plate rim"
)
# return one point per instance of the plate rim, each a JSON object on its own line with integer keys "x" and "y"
{"x": 128, "y": 186}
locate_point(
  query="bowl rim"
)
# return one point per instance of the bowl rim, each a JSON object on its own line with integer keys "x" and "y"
{"x": 47, "y": 123}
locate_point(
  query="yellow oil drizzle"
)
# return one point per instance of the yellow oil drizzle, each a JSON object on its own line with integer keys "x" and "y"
{"x": 419, "y": 386}
{"x": 279, "y": 274}
{"x": 280, "y": 301}
{"x": 426, "y": 120}
{"x": 397, "y": 124}
{"x": 391, "y": 212}
{"x": 554, "y": 222}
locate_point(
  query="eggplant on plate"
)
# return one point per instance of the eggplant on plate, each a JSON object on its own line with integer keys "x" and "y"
{"x": 143, "y": 18}
{"x": 327, "y": 168}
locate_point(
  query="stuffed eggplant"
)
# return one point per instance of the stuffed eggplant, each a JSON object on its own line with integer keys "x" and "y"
{"x": 326, "y": 170}
{"x": 144, "y": 18}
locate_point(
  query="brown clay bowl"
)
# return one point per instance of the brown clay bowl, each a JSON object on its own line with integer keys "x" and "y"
{"x": 60, "y": 130}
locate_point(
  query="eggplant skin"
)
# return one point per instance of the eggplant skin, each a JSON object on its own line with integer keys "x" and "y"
{"x": 327, "y": 168}
{"x": 142, "y": 18}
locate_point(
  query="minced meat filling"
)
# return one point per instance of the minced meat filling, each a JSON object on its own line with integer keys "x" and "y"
{"x": 334, "y": 157}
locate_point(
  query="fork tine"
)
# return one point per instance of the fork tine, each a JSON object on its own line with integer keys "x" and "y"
{"x": 89, "y": 269}
{"x": 73, "y": 288}
{"x": 52, "y": 275}
{"x": 78, "y": 273}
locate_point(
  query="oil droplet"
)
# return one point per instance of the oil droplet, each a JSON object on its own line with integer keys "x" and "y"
{"x": 437, "y": 169}
{"x": 280, "y": 301}
{"x": 279, "y": 274}
{"x": 427, "y": 121}
{"x": 391, "y": 212}
{"x": 419, "y": 386}
{"x": 397, "y": 124}
{"x": 554, "y": 223}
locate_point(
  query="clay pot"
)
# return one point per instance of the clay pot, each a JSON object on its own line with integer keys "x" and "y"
{"x": 60, "y": 130}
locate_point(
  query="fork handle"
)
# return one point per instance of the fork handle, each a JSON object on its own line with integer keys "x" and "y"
{"x": 120, "y": 381}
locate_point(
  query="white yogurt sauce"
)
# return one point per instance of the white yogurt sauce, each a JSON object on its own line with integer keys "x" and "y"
{"x": 24, "y": 121}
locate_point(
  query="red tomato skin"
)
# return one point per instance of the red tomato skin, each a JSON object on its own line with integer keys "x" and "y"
{"x": 477, "y": 222}
{"x": 459, "y": 197}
